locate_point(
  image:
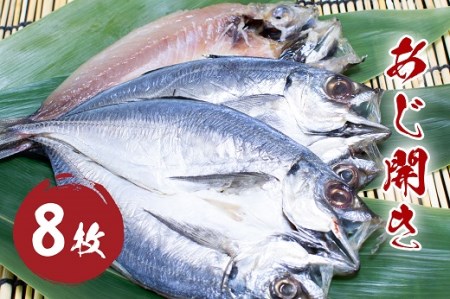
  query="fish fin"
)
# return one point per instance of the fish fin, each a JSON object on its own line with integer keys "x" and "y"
{"x": 117, "y": 267}
{"x": 65, "y": 172}
{"x": 269, "y": 103}
{"x": 228, "y": 182}
{"x": 203, "y": 236}
{"x": 14, "y": 148}
{"x": 251, "y": 100}
{"x": 12, "y": 142}
{"x": 215, "y": 56}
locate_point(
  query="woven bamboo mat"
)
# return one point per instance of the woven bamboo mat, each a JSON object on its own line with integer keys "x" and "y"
{"x": 16, "y": 14}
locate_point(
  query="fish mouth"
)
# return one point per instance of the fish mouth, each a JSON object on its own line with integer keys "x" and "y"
{"x": 367, "y": 104}
{"x": 374, "y": 131}
{"x": 334, "y": 247}
{"x": 347, "y": 259}
{"x": 359, "y": 231}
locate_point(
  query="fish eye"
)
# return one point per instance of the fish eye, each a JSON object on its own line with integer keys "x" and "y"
{"x": 349, "y": 173}
{"x": 338, "y": 195}
{"x": 282, "y": 12}
{"x": 339, "y": 88}
{"x": 286, "y": 288}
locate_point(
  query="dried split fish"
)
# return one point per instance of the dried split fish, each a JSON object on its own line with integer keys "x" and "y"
{"x": 260, "y": 30}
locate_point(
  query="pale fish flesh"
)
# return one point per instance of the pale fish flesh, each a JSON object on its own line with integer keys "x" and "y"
{"x": 188, "y": 262}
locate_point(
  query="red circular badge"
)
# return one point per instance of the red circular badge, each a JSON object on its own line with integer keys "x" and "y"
{"x": 68, "y": 233}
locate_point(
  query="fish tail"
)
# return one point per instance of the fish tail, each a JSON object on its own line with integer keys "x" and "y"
{"x": 11, "y": 141}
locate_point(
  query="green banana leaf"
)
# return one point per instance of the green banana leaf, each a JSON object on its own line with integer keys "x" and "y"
{"x": 36, "y": 59}
{"x": 433, "y": 118}
{"x": 373, "y": 33}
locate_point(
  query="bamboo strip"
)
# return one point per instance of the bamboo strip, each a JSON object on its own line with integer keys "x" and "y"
{"x": 47, "y": 7}
{"x": 439, "y": 3}
{"x": 438, "y": 185}
{"x": 19, "y": 291}
{"x": 432, "y": 64}
{"x": 389, "y": 194}
{"x": 359, "y": 6}
{"x": 382, "y": 4}
{"x": 6, "y": 289}
{"x": 446, "y": 177}
{"x": 29, "y": 292}
{"x": 429, "y": 201}
{"x": 419, "y": 4}
{"x": 334, "y": 8}
{"x": 23, "y": 14}
{"x": 398, "y": 196}
{"x": 431, "y": 191}
{"x": 429, "y": 3}
{"x": 407, "y": 85}
{"x": 351, "y": 7}
{"x": 4, "y": 17}
{"x": 31, "y": 11}
{"x": 17, "y": 13}
{"x": 326, "y": 9}
{"x": 397, "y": 5}
{"x": 375, "y": 5}
{"x": 38, "y": 14}
{"x": 371, "y": 194}
{"x": 37, "y": 295}
{"x": 416, "y": 200}
{"x": 442, "y": 59}
{"x": 58, "y": 4}
{"x": 411, "y": 4}
{"x": 379, "y": 195}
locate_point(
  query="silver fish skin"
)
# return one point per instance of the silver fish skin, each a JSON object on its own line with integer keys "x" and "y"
{"x": 171, "y": 262}
{"x": 295, "y": 99}
{"x": 171, "y": 138}
{"x": 341, "y": 107}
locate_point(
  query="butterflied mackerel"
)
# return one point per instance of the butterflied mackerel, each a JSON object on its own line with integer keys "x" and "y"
{"x": 156, "y": 144}
{"x": 183, "y": 245}
{"x": 327, "y": 112}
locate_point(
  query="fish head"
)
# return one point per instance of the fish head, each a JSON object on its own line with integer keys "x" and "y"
{"x": 356, "y": 160}
{"x": 360, "y": 164}
{"x": 322, "y": 46}
{"x": 284, "y": 22}
{"x": 308, "y": 206}
{"x": 357, "y": 220}
{"x": 330, "y": 104}
{"x": 277, "y": 269}
{"x": 356, "y": 172}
